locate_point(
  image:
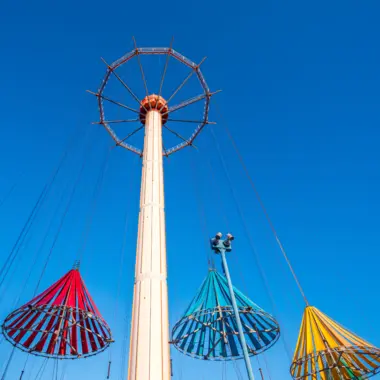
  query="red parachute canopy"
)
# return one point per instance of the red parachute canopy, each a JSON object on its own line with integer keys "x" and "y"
{"x": 63, "y": 322}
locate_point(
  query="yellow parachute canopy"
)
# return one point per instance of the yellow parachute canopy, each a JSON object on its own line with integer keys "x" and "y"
{"x": 327, "y": 351}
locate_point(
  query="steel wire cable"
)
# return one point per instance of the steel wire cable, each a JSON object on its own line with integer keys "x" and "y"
{"x": 222, "y": 216}
{"x": 94, "y": 204}
{"x": 11, "y": 190}
{"x": 39, "y": 250}
{"x": 249, "y": 236}
{"x": 266, "y": 366}
{"x": 31, "y": 369}
{"x": 25, "y": 229}
{"x": 65, "y": 212}
{"x": 237, "y": 370}
{"x": 33, "y": 214}
{"x": 54, "y": 370}
{"x": 64, "y": 369}
{"x": 120, "y": 276}
{"x": 34, "y": 261}
{"x": 202, "y": 216}
{"x": 57, "y": 370}
{"x": 42, "y": 369}
{"x": 24, "y": 368}
{"x": 59, "y": 228}
{"x": 261, "y": 203}
{"x": 8, "y": 363}
{"x": 124, "y": 347}
{"x": 29, "y": 223}
{"x": 23, "y": 245}
{"x": 223, "y": 213}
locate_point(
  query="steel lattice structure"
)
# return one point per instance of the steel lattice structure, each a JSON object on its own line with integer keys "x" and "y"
{"x": 62, "y": 322}
{"x": 149, "y": 102}
{"x": 208, "y": 329}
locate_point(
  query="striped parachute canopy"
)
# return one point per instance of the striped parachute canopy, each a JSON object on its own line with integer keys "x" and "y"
{"x": 327, "y": 351}
{"x": 63, "y": 322}
{"x": 208, "y": 330}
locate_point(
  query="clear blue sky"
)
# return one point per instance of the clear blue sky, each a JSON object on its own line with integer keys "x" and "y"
{"x": 301, "y": 94}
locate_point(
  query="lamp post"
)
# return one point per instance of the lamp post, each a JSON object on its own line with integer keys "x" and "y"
{"x": 221, "y": 246}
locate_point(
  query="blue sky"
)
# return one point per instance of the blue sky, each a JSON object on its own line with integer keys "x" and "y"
{"x": 300, "y": 85}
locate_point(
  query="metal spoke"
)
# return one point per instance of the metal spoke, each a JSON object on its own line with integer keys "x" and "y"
{"x": 142, "y": 72}
{"x": 165, "y": 151}
{"x": 179, "y": 136}
{"x": 122, "y": 82}
{"x": 113, "y": 101}
{"x": 166, "y": 67}
{"x": 192, "y": 121}
{"x": 129, "y": 135}
{"x": 184, "y": 81}
{"x": 189, "y": 101}
{"x": 116, "y": 121}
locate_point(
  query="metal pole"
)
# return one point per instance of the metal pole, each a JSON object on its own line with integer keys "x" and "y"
{"x": 149, "y": 355}
{"x": 237, "y": 316}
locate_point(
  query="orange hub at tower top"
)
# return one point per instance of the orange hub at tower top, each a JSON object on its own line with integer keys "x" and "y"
{"x": 154, "y": 102}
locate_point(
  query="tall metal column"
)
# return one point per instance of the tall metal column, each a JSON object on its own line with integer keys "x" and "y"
{"x": 149, "y": 357}
{"x": 221, "y": 246}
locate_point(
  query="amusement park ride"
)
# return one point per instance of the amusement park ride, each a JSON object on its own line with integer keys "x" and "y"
{"x": 221, "y": 323}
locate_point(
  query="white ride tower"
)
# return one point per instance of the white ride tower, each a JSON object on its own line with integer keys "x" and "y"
{"x": 149, "y": 354}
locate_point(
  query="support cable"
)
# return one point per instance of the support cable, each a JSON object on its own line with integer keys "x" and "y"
{"x": 124, "y": 348}
{"x": 11, "y": 190}
{"x": 9, "y": 361}
{"x": 178, "y": 135}
{"x": 32, "y": 216}
{"x": 38, "y": 252}
{"x": 142, "y": 72}
{"x": 63, "y": 218}
{"x": 234, "y": 257}
{"x": 123, "y": 83}
{"x": 130, "y": 135}
{"x": 54, "y": 370}
{"x": 56, "y": 374}
{"x": 113, "y": 101}
{"x": 261, "y": 203}
{"x": 42, "y": 369}
{"x": 31, "y": 370}
{"x": 165, "y": 68}
{"x": 194, "y": 70}
{"x": 127, "y": 322}
{"x": 248, "y": 234}
{"x": 202, "y": 216}
{"x": 116, "y": 121}
{"x": 237, "y": 370}
{"x": 223, "y": 216}
{"x": 63, "y": 373}
{"x": 24, "y": 368}
{"x": 120, "y": 277}
{"x": 22, "y": 246}
{"x": 55, "y": 238}
{"x": 24, "y": 231}
{"x": 93, "y": 206}
{"x": 260, "y": 367}
{"x": 267, "y": 368}
{"x": 32, "y": 267}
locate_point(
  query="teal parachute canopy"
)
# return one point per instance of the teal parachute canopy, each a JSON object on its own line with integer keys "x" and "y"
{"x": 208, "y": 329}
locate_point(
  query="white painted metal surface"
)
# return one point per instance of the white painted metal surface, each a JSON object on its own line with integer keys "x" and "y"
{"x": 149, "y": 357}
